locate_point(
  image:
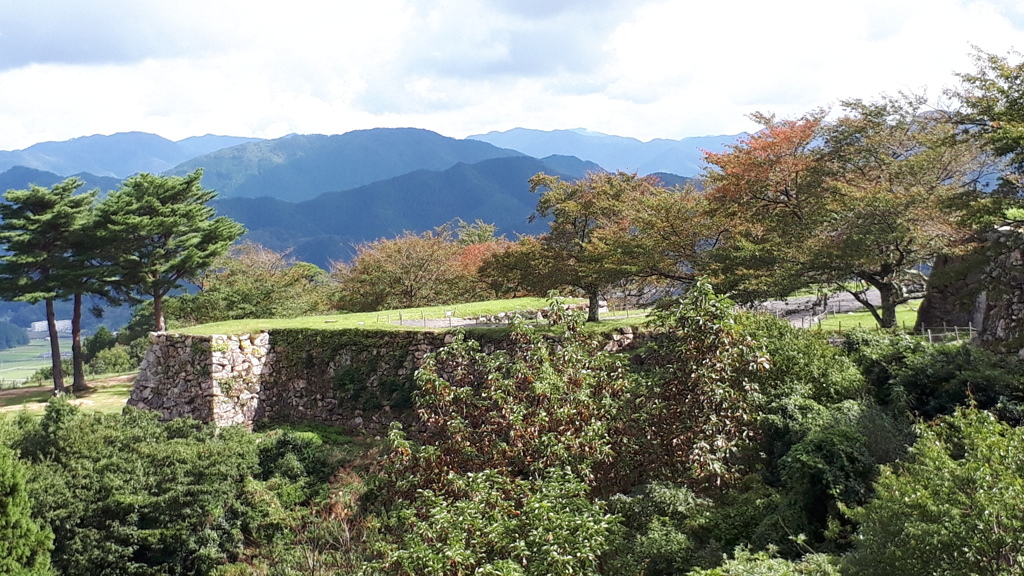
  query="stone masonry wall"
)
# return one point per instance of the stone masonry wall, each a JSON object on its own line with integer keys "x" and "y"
{"x": 360, "y": 379}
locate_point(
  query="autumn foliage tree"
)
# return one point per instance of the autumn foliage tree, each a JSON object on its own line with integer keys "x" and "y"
{"x": 438, "y": 266}
{"x": 869, "y": 196}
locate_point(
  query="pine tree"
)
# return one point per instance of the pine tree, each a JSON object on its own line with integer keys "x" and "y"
{"x": 161, "y": 230}
{"x": 38, "y": 230}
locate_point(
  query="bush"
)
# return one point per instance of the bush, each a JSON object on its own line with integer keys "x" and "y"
{"x": 744, "y": 563}
{"x": 667, "y": 531}
{"x": 102, "y": 339}
{"x": 112, "y": 360}
{"x": 952, "y": 508}
{"x": 938, "y": 379}
{"x": 24, "y": 546}
{"x": 933, "y": 380}
{"x": 125, "y": 494}
{"x": 493, "y": 524}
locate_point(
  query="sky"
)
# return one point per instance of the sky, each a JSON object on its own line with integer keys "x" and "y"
{"x": 644, "y": 69}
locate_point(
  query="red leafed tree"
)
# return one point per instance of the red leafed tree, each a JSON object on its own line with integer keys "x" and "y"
{"x": 868, "y": 196}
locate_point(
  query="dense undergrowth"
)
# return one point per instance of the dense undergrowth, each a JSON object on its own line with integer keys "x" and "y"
{"x": 728, "y": 444}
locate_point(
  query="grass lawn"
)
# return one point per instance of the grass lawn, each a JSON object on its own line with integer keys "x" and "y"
{"x": 906, "y": 315}
{"x": 17, "y": 364}
{"x": 387, "y": 320}
{"x": 106, "y": 394}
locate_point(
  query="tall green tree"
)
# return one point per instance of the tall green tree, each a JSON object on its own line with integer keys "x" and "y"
{"x": 590, "y": 225}
{"x": 41, "y": 231}
{"x": 993, "y": 110}
{"x": 162, "y": 230}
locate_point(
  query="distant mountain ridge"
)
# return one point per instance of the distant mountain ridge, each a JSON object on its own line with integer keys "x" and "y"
{"x": 683, "y": 157}
{"x": 20, "y": 178}
{"x": 301, "y": 167}
{"x": 319, "y": 196}
{"x": 118, "y": 155}
{"x": 328, "y": 227}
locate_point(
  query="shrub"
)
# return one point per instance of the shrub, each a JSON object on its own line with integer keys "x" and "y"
{"x": 125, "y": 494}
{"x": 952, "y": 508}
{"x": 745, "y": 563}
{"x": 493, "y": 524}
{"x": 102, "y": 339}
{"x": 938, "y": 379}
{"x": 24, "y": 546}
{"x": 112, "y": 360}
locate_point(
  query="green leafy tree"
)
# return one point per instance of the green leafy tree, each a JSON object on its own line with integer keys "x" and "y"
{"x": 590, "y": 225}
{"x": 402, "y": 272}
{"x": 252, "y": 281}
{"x": 162, "y": 231}
{"x": 24, "y": 546}
{"x": 41, "y": 230}
{"x": 953, "y": 507}
{"x": 992, "y": 109}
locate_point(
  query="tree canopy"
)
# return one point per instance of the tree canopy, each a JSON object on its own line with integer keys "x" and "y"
{"x": 41, "y": 231}
{"x": 869, "y": 196}
{"x": 162, "y": 230}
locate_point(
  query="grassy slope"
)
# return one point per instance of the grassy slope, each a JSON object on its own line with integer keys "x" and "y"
{"x": 106, "y": 394}
{"x": 906, "y": 315}
{"x": 376, "y": 320}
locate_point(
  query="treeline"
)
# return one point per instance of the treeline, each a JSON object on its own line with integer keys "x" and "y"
{"x": 868, "y": 194}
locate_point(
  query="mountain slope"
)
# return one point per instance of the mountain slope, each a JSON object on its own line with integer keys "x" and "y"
{"x": 117, "y": 155}
{"x": 683, "y": 157}
{"x": 298, "y": 168}
{"x": 20, "y": 177}
{"x": 328, "y": 227}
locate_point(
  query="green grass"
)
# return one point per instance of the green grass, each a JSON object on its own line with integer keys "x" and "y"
{"x": 386, "y": 320}
{"x": 104, "y": 396}
{"x": 906, "y": 315}
{"x": 17, "y": 364}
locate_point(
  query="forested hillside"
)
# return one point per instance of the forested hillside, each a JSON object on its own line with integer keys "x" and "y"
{"x": 298, "y": 167}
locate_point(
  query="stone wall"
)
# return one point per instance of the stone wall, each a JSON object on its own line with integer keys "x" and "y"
{"x": 983, "y": 289}
{"x": 360, "y": 379}
{"x": 1003, "y": 304}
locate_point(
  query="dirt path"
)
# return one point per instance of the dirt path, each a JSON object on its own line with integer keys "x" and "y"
{"x": 803, "y": 310}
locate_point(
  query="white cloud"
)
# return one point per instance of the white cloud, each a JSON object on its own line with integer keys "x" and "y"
{"x": 642, "y": 69}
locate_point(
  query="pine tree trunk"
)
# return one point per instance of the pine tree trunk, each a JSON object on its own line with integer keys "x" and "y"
{"x": 78, "y": 385}
{"x": 158, "y": 312}
{"x": 51, "y": 325}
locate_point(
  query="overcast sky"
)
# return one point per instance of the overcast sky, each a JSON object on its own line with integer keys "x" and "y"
{"x": 648, "y": 70}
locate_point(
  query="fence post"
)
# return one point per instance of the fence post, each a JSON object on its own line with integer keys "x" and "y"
{"x": 929, "y": 335}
